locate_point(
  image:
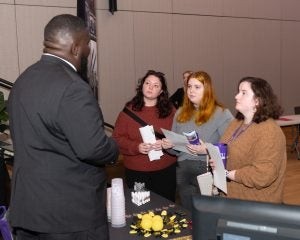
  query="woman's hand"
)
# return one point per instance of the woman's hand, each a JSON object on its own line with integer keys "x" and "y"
{"x": 196, "y": 149}
{"x": 229, "y": 174}
{"x": 157, "y": 145}
{"x": 144, "y": 148}
{"x": 166, "y": 143}
{"x": 212, "y": 163}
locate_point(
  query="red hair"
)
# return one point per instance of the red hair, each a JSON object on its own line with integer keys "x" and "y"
{"x": 207, "y": 105}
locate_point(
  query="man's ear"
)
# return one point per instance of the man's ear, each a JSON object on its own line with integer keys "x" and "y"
{"x": 74, "y": 49}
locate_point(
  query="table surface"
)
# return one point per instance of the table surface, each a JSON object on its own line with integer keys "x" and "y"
{"x": 288, "y": 120}
{"x": 291, "y": 120}
{"x": 156, "y": 204}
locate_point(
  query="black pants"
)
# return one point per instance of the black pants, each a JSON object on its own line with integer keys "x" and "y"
{"x": 4, "y": 184}
{"x": 162, "y": 182}
{"x": 187, "y": 184}
{"x": 99, "y": 233}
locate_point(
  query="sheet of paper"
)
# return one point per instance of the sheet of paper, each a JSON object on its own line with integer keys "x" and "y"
{"x": 219, "y": 174}
{"x": 148, "y": 136}
{"x": 179, "y": 141}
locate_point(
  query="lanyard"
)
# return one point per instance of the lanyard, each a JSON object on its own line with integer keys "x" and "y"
{"x": 238, "y": 132}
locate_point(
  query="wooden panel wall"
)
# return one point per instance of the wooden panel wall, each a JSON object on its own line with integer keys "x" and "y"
{"x": 8, "y": 42}
{"x": 229, "y": 39}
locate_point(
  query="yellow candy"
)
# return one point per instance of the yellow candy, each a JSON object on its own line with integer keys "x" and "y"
{"x": 149, "y": 223}
{"x": 151, "y": 213}
{"x": 165, "y": 235}
{"x": 133, "y": 226}
{"x": 147, "y": 234}
{"x": 164, "y": 213}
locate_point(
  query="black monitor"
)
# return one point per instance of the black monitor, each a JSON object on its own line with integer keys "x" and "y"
{"x": 218, "y": 218}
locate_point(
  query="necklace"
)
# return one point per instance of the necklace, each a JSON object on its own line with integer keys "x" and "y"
{"x": 239, "y": 131}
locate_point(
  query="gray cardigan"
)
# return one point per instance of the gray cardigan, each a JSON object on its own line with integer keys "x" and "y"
{"x": 211, "y": 131}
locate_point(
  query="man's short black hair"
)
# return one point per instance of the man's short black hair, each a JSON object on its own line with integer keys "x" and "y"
{"x": 64, "y": 24}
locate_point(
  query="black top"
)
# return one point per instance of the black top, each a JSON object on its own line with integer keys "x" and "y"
{"x": 177, "y": 98}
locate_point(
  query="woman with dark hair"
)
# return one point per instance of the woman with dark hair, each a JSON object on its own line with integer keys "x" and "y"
{"x": 256, "y": 144}
{"x": 177, "y": 97}
{"x": 203, "y": 113}
{"x": 151, "y": 104}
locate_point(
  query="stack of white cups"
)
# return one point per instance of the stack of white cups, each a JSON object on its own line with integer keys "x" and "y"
{"x": 117, "y": 203}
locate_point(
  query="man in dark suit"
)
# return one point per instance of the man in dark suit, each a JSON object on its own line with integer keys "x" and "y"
{"x": 59, "y": 180}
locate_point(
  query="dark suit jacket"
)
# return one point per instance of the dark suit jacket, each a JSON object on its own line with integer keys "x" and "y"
{"x": 59, "y": 183}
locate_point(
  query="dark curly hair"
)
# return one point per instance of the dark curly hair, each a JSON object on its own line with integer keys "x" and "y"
{"x": 268, "y": 106}
{"x": 164, "y": 105}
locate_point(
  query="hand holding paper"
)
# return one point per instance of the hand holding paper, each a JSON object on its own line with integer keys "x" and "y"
{"x": 148, "y": 136}
{"x": 182, "y": 144}
{"x": 192, "y": 137}
{"x": 179, "y": 141}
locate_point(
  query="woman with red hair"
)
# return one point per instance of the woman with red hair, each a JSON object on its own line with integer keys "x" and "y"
{"x": 201, "y": 112}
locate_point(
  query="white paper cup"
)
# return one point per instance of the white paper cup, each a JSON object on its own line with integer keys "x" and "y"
{"x": 117, "y": 203}
{"x": 205, "y": 182}
{"x": 108, "y": 204}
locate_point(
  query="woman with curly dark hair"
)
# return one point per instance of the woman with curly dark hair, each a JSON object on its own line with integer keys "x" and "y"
{"x": 152, "y": 105}
{"x": 256, "y": 144}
